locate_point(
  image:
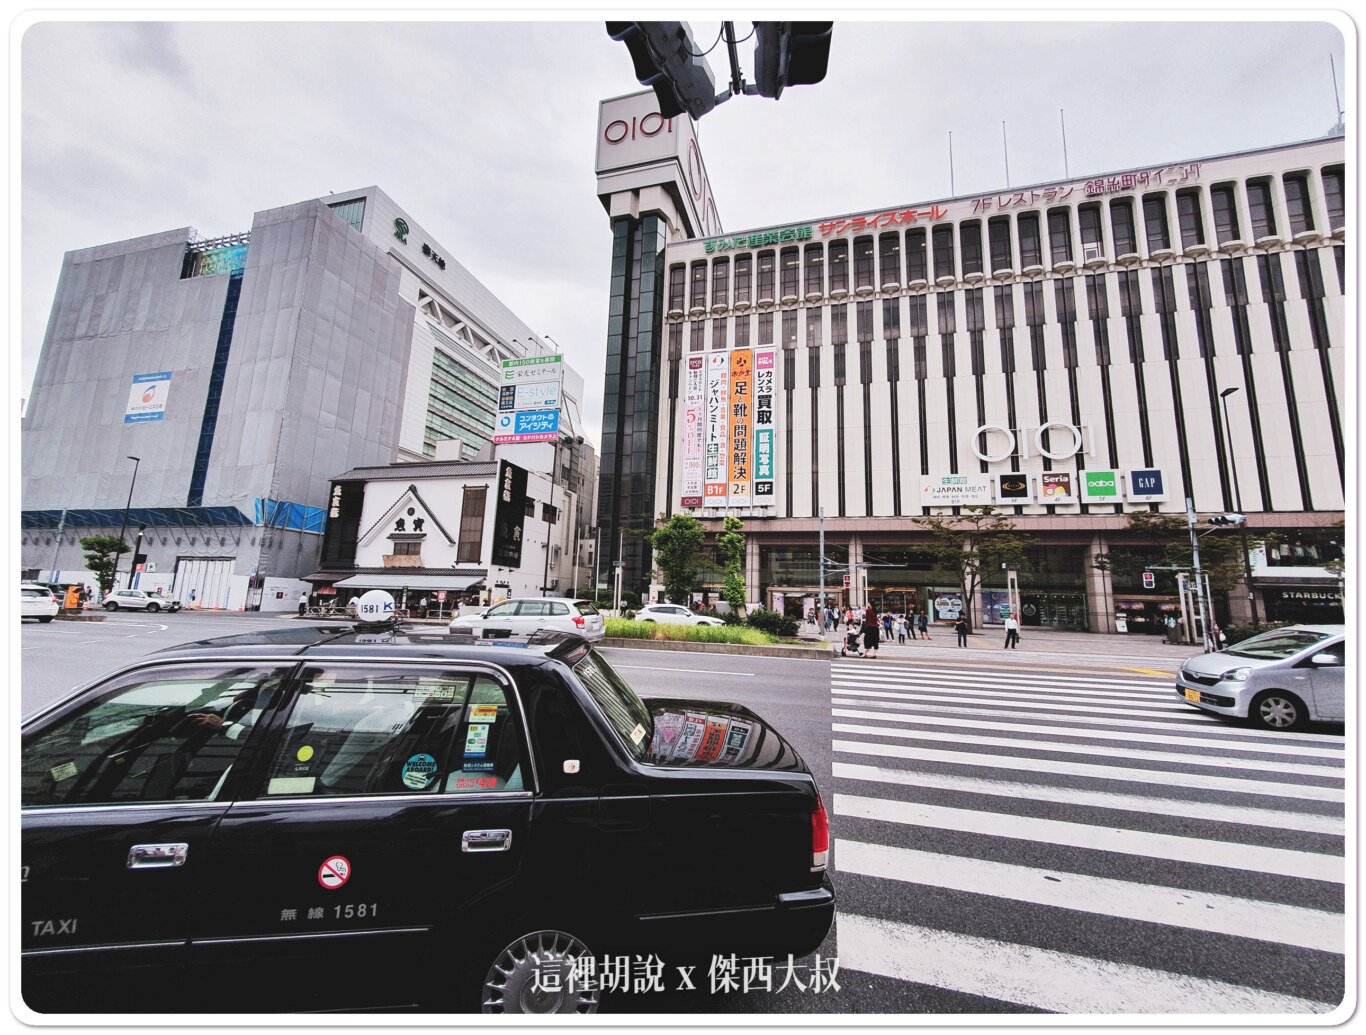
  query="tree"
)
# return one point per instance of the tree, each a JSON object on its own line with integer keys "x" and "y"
{"x": 730, "y": 545}
{"x": 963, "y": 546}
{"x": 1164, "y": 540}
{"x": 678, "y": 555}
{"x": 102, "y": 557}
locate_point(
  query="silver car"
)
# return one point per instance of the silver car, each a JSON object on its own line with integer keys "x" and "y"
{"x": 674, "y": 614}
{"x": 1278, "y": 680}
{"x": 518, "y": 618}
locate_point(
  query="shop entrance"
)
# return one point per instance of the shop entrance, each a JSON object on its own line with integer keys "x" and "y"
{"x": 1060, "y": 610}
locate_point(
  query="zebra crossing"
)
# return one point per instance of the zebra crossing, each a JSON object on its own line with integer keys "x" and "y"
{"x": 1079, "y": 841}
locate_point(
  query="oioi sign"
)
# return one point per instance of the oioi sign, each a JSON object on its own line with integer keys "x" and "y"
{"x": 1075, "y": 441}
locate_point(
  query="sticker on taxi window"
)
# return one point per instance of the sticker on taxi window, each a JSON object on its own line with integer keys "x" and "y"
{"x": 419, "y": 771}
{"x": 291, "y": 785}
{"x": 436, "y": 693}
{"x": 304, "y": 753}
{"x": 477, "y": 741}
{"x": 483, "y": 713}
{"x": 65, "y": 771}
{"x": 638, "y": 734}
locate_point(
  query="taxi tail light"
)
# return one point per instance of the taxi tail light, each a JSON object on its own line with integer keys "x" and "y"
{"x": 820, "y": 836}
{"x": 578, "y": 620}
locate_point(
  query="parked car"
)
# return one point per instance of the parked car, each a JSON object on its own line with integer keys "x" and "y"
{"x": 326, "y": 818}
{"x": 1279, "y": 679}
{"x": 133, "y": 600}
{"x": 674, "y": 614}
{"x": 37, "y": 601}
{"x": 519, "y": 617}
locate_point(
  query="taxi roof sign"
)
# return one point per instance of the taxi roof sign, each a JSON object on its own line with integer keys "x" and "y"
{"x": 375, "y": 606}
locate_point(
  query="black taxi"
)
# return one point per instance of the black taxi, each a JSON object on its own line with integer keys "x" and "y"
{"x": 370, "y": 817}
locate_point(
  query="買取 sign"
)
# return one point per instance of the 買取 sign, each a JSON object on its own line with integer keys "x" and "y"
{"x": 1100, "y": 486}
{"x": 147, "y": 398}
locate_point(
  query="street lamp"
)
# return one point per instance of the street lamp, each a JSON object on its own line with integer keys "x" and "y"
{"x": 124, "y": 528}
{"x": 1238, "y": 501}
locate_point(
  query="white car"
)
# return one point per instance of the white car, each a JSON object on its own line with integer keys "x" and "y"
{"x": 37, "y": 601}
{"x": 133, "y": 600}
{"x": 1279, "y": 679}
{"x": 518, "y": 618}
{"x": 674, "y": 614}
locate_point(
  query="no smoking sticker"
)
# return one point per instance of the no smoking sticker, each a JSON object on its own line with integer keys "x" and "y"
{"x": 334, "y": 872}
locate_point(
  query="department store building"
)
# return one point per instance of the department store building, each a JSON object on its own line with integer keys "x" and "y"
{"x": 1070, "y": 352}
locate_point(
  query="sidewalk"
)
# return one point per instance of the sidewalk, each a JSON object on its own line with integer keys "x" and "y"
{"x": 1117, "y": 646}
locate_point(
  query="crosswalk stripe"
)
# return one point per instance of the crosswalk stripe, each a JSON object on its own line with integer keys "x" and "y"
{"x": 1175, "y": 907}
{"x": 1189, "y": 758}
{"x": 1074, "y": 691}
{"x": 1042, "y": 978}
{"x": 1191, "y": 781}
{"x": 863, "y": 671}
{"x": 959, "y": 719}
{"x": 1198, "y": 718}
{"x": 1310, "y": 823}
{"x": 975, "y": 694}
{"x": 1226, "y": 854}
{"x": 1093, "y": 713}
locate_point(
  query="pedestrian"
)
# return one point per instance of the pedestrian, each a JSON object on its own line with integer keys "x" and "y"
{"x": 871, "y": 627}
{"x": 900, "y": 626}
{"x": 961, "y": 627}
{"x": 887, "y": 625}
{"x": 422, "y": 606}
{"x": 1012, "y": 633}
{"x": 192, "y": 595}
{"x": 848, "y": 615}
{"x": 303, "y": 602}
{"x": 923, "y": 621}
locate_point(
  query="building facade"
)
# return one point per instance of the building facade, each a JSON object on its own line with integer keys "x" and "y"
{"x": 207, "y": 392}
{"x": 1071, "y": 353}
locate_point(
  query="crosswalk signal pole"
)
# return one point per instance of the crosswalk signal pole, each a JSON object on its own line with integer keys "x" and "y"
{"x": 1199, "y": 580}
{"x": 820, "y": 563}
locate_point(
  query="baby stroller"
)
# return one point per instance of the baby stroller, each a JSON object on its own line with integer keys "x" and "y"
{"x": 852, "y": 641}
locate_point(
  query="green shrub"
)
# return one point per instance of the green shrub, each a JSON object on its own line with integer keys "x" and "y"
{"x": 627, "y": 629}
{"x": 773, "y": 623}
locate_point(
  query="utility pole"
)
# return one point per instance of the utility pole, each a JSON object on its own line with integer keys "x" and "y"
{"x": 820, "y": 562}
{"x": 61, "y": 525}
{"x": 1199, "y": 580}
{"x": 1238, "y": 504}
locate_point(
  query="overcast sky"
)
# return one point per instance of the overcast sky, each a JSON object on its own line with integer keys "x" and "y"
{"x": 485, "y": 131}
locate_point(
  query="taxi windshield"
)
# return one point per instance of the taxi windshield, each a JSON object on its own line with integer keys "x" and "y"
{"x": 624, "y": 710}
{"x": 1278, "y": 644}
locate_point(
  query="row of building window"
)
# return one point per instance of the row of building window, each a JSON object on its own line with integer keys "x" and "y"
{"x": 754, "y": 329}
{"x": 954, "y": 251}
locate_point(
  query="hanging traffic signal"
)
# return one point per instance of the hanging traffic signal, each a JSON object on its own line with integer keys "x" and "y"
{"x": 1228, "y": 519}
{"x": 790, "y": 54}
{"x": 1149, "y": 580}
{"x": 667, "y": 60}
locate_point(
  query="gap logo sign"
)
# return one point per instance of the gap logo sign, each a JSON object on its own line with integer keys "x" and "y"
{"x": 1147, "y": 485}
{"x": 1100, "y": 486}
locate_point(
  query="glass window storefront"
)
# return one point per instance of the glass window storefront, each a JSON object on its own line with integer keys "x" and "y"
{"x": 790, "y": 574}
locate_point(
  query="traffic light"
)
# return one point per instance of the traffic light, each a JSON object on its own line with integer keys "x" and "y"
{"x": 790, "y": 54}
{"x": 1149, "y": 580}
{"x": 668, "y": 61}
{"x": 1228, "y": 519}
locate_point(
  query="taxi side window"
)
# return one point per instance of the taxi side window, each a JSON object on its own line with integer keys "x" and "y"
{"x": 503, "y": 610}
{"x": 533, "y": 608}
{"x": 172, "y": 736}
{"x": 488, "y": 749}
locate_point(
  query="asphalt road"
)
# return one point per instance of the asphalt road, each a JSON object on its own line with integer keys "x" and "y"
{"x": 1038, "y": 833}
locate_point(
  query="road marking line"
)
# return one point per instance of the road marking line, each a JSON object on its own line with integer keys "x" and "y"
{"x": 964, "y": 720}
{"x": 1147, "y": 671}
{"x": 1226, "y": 854}
{"x": 1309, "y": 823}
{"x": 863, "y": 674}
{"x": 1087, "y": 770}
{"x": 689, "y": 671}
{"x": 1042, "y": 978}
{"x": 957, "y": 699}
{"x": 1154, "y": 904}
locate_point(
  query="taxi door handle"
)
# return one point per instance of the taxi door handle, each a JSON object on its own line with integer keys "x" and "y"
{"x": 157, "y": 857}
{"x": 486, "y": 841}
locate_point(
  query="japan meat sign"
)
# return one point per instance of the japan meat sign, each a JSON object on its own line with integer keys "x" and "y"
{"x": 694, "y": 431}
{"x": 765, "y": 362}
{"x": 741, "y": 425}
{"x": 718, "y": 429}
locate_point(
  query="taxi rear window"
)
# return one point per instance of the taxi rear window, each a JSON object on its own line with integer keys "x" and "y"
{"x": 624, "y": 710}
{"x": 585, "y": 608}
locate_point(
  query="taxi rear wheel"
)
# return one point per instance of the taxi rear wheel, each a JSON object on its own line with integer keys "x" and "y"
{"x": 1278, "y": 710}
{"x": 532, "y": 974}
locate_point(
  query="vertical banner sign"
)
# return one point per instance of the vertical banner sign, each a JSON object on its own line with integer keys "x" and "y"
{"x": 765, "y": 368}
{"x": 718, "y": 428}
{"x": 741, "y": 425}
{"x": 694, "y": 431}
{"x": 508, "y": 514}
